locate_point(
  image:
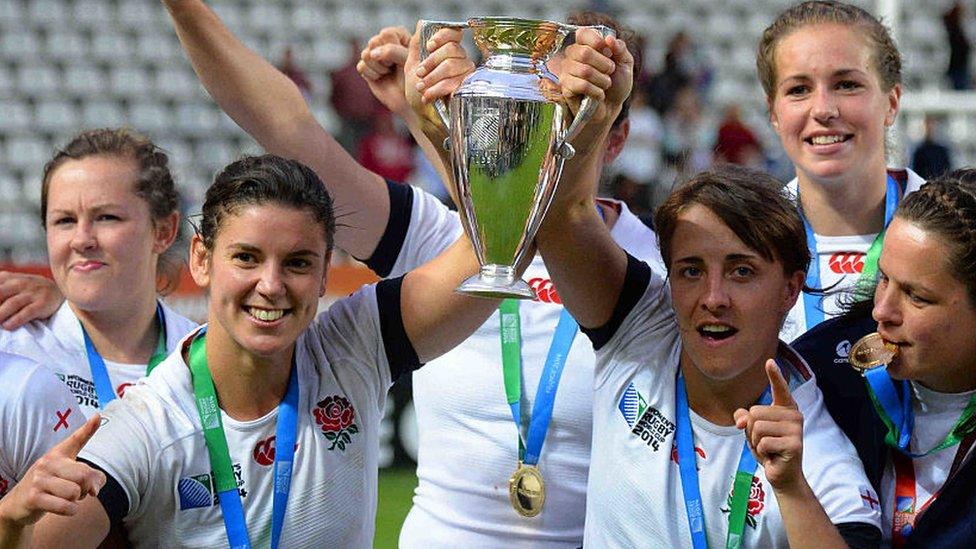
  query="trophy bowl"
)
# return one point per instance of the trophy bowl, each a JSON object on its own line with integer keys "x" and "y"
{"x": 509, "y": 134}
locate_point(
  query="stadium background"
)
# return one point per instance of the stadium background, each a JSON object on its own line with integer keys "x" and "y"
{"x": 72, "y": 64}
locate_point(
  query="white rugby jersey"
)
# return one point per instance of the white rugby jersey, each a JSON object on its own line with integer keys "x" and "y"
{"x": 58, "y": 343}
{"x": 36, "y": 413}
{"x": 635, "y": 494}
{"x": 152, "y": 442}
{"x": 468, "y": 442}
{"x": 841, "y": 259}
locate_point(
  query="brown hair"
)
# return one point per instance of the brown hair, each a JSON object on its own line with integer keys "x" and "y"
{"x": 154, "y": 183}
{"x": 255, "y": 180}
{"x": 885, "y": 55}
{"x": 751, "y": 203}
{"x": 947, "y": 207}
{"x": 630, "y": 38}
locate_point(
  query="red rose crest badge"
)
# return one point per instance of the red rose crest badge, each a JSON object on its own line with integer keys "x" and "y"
{"x": 336, "y": 417}
{"x": 757, "y": 502}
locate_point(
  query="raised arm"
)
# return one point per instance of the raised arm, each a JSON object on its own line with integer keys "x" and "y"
{"x": 582, "y": 258}
{"x": 270, "y": 107}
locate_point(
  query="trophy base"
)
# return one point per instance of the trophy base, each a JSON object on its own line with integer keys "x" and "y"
{"x": 495, "y": 287}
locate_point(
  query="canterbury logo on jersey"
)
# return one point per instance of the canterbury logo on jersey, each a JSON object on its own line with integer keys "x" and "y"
{"x": 545, "y": 291}
{"x": 847, "y": 262}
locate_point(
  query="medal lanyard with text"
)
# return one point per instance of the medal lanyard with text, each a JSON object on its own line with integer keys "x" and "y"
{"x": 103, "y": 384}
{"x": 688, "y": 468}
{"x": 545, "y": 396}
{"x": 812, "y": 305}
{"x": 905, "y": 508}
{"x": 213, "y": 431}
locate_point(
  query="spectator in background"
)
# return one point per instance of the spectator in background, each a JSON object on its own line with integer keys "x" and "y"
{"x": 687, "y": 142}
{"x": 639, "y": 162}
{"x": 683, "y": 66}
{"x": 931, "y": 158}
{"x": 959, "y": 47}
{"x": 386, "y": 151}
{"x": 297, "y": 75}
{"x": 735, "y": 143}
{"x": 352, "y": 101}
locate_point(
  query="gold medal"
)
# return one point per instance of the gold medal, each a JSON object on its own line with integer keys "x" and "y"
{"x": 871, "y": 351}
{"x": 527, "y": 490}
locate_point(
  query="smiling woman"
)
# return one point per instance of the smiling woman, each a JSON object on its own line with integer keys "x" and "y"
{"x": 267, "y": 396}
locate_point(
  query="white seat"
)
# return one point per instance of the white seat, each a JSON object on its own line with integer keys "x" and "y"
{"x": 158, "y": 48}
{"x": 150, "y": 117}
{"x": 38, "y": 80}
{"x": 102, "y": 114}
{"x": 11, "y": 11}
{"x": 10, "y": 188}
{"x": 196, "y": 119}
{"x": 140, "y": 16}
{"x": 95, "y": 14}
{"x": 51, "y": 13}
{"x": 129, "y": 81}
{"x": 66, "y": 45}
{"x": 177, "y": 82}
{"x": 27, "y": 153}
{"x": 214, "y": 154}
{"x": 266, "y": 16}
{"x": 15, "y": 115}
{"x": 20, "y": 45}
{"x": 84, "y": 80}
{"x": 108, "y": 45}
{"x": 310, "y": 18}
{"x": 56, "y": 115}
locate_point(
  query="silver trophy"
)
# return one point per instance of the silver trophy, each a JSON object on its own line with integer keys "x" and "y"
{"x": 509, "y": 136}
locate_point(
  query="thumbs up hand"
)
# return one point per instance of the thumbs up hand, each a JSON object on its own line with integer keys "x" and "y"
{"x": 775, "y": 432}
{"x": 55, "y": 483}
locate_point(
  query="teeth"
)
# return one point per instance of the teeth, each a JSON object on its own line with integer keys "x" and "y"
{"x": 266, "y": 315}
{"x": 826, "y": 139}
{"x": 716, "y": 329}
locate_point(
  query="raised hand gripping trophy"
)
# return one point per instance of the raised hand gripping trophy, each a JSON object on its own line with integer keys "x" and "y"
{"x": 509, "y": 137}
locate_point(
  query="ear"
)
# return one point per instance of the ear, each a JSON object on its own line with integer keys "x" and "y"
{"x": 325, "y": 273}
{"x": 165, "y": 231}
{"x": 794, "y": 285}
{"x": 199, "y": 262}
{"x": 773, "y": 119}
{"x": 894, "y": 102}
{"x": 615, "y": 141}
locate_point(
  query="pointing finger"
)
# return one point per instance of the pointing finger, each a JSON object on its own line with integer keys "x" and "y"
{"x": 73, "y": 444}
{"x": 780, "y": 388}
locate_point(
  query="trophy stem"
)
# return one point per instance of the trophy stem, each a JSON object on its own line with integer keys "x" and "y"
{"x": 496, "y": 282}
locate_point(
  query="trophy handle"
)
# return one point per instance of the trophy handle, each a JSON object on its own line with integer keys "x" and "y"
{"x": 587, "y": 107}
{"x": 427, "y": 29}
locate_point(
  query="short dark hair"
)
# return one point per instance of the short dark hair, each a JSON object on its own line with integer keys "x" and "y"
{"x": 946, "y": 206}
{"x": 255, "y": 180}
{"x": 751, "y": 203}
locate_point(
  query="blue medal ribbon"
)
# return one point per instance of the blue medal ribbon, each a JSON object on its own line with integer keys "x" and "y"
{"x": 285, "y": 437}
{"x": 104, "y": 389}
{"x": 812, "y": 303}
{"x": 688, "y": 469}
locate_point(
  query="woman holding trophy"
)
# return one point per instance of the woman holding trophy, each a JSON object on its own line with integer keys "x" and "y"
{"x": 675, "y": 387}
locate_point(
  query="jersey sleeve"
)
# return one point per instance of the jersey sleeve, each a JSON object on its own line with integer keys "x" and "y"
{"x": 419, "y": 229}
{"x": 124, "y": 448}
{"x": 831, "y": 466}
{"x": 36, "y": 415}
{"x": 364, "y": 335}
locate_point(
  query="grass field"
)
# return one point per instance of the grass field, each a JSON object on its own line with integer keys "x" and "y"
{"x": 395, "y": 494}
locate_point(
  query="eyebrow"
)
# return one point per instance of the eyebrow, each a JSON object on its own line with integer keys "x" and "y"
{"x": 244, "y": 247}
{"x": 836, "y": 74}
{"x": 728, "y": 258}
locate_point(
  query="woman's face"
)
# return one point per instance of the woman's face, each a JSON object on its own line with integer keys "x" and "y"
{"x": 925, "y": 310}
{"x": 829, "y": 108}
{"x": 730, "y": 302}
{"x": 100, "y": 235}
{"x": 265, "y": 274}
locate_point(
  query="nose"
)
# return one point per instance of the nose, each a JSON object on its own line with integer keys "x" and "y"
{"x": 716, "y": 294}
{"x": 83, "y": 237}
{"x": 824, "y": 106}
{"x": 270, "y": 284}
{"x": 886, "y": 307}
